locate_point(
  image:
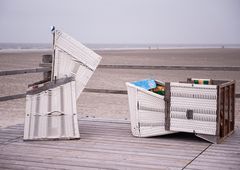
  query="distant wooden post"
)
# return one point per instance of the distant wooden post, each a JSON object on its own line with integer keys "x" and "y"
{"x": 46, "y": 62}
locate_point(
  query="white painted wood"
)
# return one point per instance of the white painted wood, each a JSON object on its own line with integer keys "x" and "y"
{"x": 73, "y": 59}
{"x": 52, "y": 114}
{"x": 202, "y": 100}
{"x": 147, "y": 112}
{"x": 132, "y": 100}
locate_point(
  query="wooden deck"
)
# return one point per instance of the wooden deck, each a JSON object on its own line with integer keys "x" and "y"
{"x": 108, "y": 144}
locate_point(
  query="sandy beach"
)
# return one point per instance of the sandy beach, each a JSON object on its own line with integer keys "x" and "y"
{"x": 103, "y": 105}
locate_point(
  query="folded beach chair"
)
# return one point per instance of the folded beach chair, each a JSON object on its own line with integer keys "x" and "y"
{"x": 51, "y": 107}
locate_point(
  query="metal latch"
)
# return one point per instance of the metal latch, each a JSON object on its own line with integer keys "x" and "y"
{"x": 189, "y": 114}
{"x": 55, "y": 113}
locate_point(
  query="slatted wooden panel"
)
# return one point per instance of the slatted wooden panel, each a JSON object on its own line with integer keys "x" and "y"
{"x": 110, "y": 145}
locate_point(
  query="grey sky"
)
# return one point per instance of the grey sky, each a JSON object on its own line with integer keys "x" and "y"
{"x": 122, "y": 21}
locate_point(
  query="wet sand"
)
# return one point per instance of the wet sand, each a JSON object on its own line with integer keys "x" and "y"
{"x": 113, "y": 105}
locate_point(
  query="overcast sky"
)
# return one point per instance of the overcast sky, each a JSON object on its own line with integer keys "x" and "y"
{"x": 122, "y": 21}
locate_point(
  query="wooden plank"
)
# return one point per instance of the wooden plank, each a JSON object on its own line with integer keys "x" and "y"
{"x": 230, "y": 159}
{"x": 47, "y": 62}
{"x": 207, "y": 167}
{"x": 88, "y": 90}
{"x": 50, "y": 84}
{"x": 25, "y": 71}
{"x": 96, "y": 154}
{"x": 216, "y": 164}
{"x": 129, "y": 148}
{"x": 149, "y": 160}
{"x": 234, "y": 104}
{"x": 222, "y": 114}
{"x": 220, "y": 156}
{"x": 47, "y": 58}
{"x": 114, "y": 156}
{"x": 167, "y": 99}
{"x": 40, "y": 82}
{"x": 49, "y": 65}
{"x": 106, "y": 142}
{"x": 91, "y": 90}
{"x": 12, "y": 97}
{"x": 200, "y": 68}
{"x": 123, "y": 135}
{"x": 11, "y": 166}
{"x": 7, "y": 136}
{"x": 39, "y": 164}
{"x": 110, "y": 145}
{"x": 162, "y": 152}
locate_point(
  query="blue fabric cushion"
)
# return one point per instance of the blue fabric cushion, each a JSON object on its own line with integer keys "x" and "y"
{"x": 146, "y": 84}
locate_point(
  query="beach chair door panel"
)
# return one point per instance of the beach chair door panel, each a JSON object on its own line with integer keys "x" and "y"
{"x": 151, "y": 114}
{"x": 52, "y": 113}
{"x": 71, "y": 58}
{"x": 193, "y": 108}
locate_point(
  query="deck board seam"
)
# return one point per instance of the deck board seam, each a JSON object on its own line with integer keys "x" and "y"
{"x": 196, "y": 156}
